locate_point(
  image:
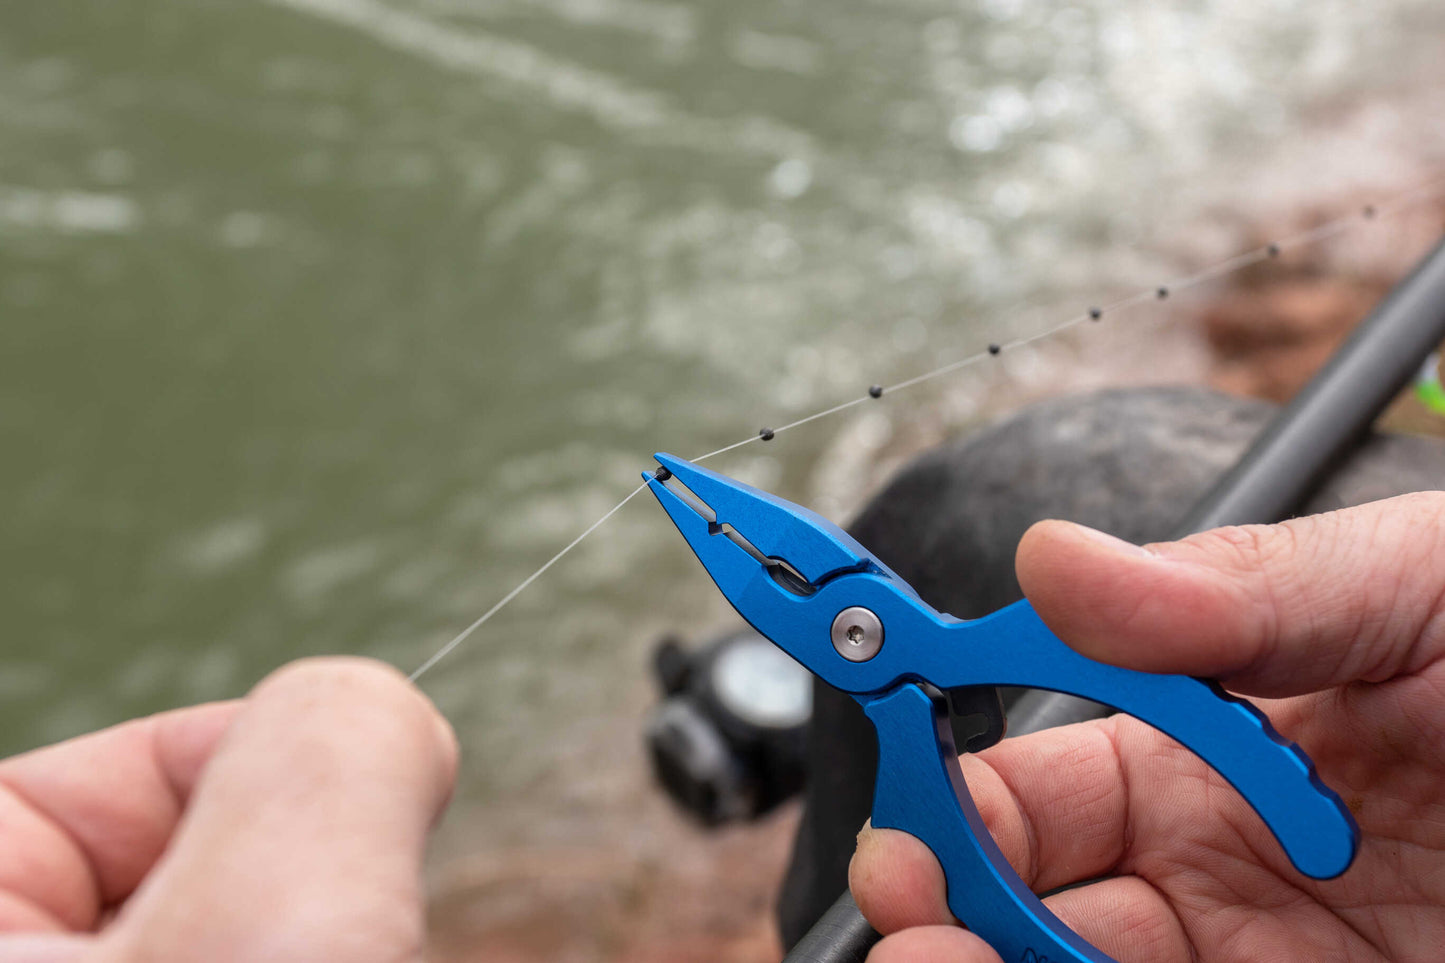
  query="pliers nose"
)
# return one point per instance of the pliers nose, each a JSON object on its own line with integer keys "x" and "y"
{"x": 729, "y": 564}
{"x": 779, "y": 530}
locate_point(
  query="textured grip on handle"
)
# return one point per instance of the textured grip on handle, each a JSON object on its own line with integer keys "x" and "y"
{"x": 921, "y": 789}
{"x": 1272, "y": 774}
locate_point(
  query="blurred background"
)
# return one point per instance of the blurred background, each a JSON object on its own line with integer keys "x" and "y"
{"x": 324, "y": 322}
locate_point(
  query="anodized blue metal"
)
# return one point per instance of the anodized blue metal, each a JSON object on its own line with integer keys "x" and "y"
{"x": 920, "y": 788}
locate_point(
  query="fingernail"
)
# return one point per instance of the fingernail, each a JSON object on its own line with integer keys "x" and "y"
{"x": 1112, "y": 542}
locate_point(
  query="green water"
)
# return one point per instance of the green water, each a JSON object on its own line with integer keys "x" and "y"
{"x": 323, "y": 322}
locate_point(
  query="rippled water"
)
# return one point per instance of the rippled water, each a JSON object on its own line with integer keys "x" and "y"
{"x": 323, "y": 322}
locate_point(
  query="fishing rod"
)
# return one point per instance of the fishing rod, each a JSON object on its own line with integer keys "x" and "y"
{"x": 1281, "y": 468}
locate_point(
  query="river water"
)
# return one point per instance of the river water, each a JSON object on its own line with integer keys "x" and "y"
{"x": 324, "y": 322}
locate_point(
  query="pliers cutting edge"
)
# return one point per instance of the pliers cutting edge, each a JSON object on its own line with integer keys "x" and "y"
{"x": 829, "y": 603}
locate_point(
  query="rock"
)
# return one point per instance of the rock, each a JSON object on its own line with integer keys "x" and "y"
{"x": 708, "y": 899}
{"x": 1268, "y": 342}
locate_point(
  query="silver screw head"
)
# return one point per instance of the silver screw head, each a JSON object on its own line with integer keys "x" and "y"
{"x": 857, "y": 634}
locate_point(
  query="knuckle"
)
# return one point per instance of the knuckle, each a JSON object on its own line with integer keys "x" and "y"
{"x": 1258, "y": 561}
{"x": 1416, "y": 523}
{"x": 333, "y": 672}
{"x": 1246, "y": 548}
{"x": 351, "y": 685}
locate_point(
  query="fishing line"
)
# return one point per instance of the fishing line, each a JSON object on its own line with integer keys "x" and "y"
{"x": 505, "y": 599}
{"x": 1265, "y": 252}
{"x": 1399, "y": 203}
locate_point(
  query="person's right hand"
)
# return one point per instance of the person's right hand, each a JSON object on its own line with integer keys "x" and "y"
{"x": 1338, "y": 622}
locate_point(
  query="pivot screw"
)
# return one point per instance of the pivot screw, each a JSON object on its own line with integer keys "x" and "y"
{"x": 857, "y": 634}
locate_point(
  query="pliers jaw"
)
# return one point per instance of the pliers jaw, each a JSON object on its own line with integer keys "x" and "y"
{"x": 780, "y": 565}
{"x": 780, "y": 531}
{"x": 728, "y": 562}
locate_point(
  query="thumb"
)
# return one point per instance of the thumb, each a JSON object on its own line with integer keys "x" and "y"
{"x": 1273, "y": 610}
{"x": 303, "y": 839}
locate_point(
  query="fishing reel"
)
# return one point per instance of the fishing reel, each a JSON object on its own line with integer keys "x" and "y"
{"x": 728, "y": 739}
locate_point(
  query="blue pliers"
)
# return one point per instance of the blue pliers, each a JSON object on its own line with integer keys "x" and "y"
{"x": 829, "y": 603}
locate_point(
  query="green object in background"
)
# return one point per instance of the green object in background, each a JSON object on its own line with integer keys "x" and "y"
{"x": 1428, "y": 388}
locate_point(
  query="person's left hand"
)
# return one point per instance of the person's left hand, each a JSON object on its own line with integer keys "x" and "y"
{"x": 287, "y": 827}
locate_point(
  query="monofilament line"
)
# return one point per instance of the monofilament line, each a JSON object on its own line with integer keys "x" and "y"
{"x": 502, "y": 603}
{"x": 1403, "y": 201}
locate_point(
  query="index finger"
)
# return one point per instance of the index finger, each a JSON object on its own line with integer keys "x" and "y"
{"x": 82, "y": 822}
{"x": 1056, "y": 803}
{"x": 1061, "y": 806}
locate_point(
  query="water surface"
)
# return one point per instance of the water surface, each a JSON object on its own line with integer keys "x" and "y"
{"x": 323, "y": 322}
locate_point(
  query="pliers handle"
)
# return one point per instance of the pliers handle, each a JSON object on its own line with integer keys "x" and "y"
{"x": 921, "y": 790}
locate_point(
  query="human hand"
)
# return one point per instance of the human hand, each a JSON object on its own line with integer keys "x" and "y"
{"x": 285, "y": 827}
{"x": 1335, "y": 624}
